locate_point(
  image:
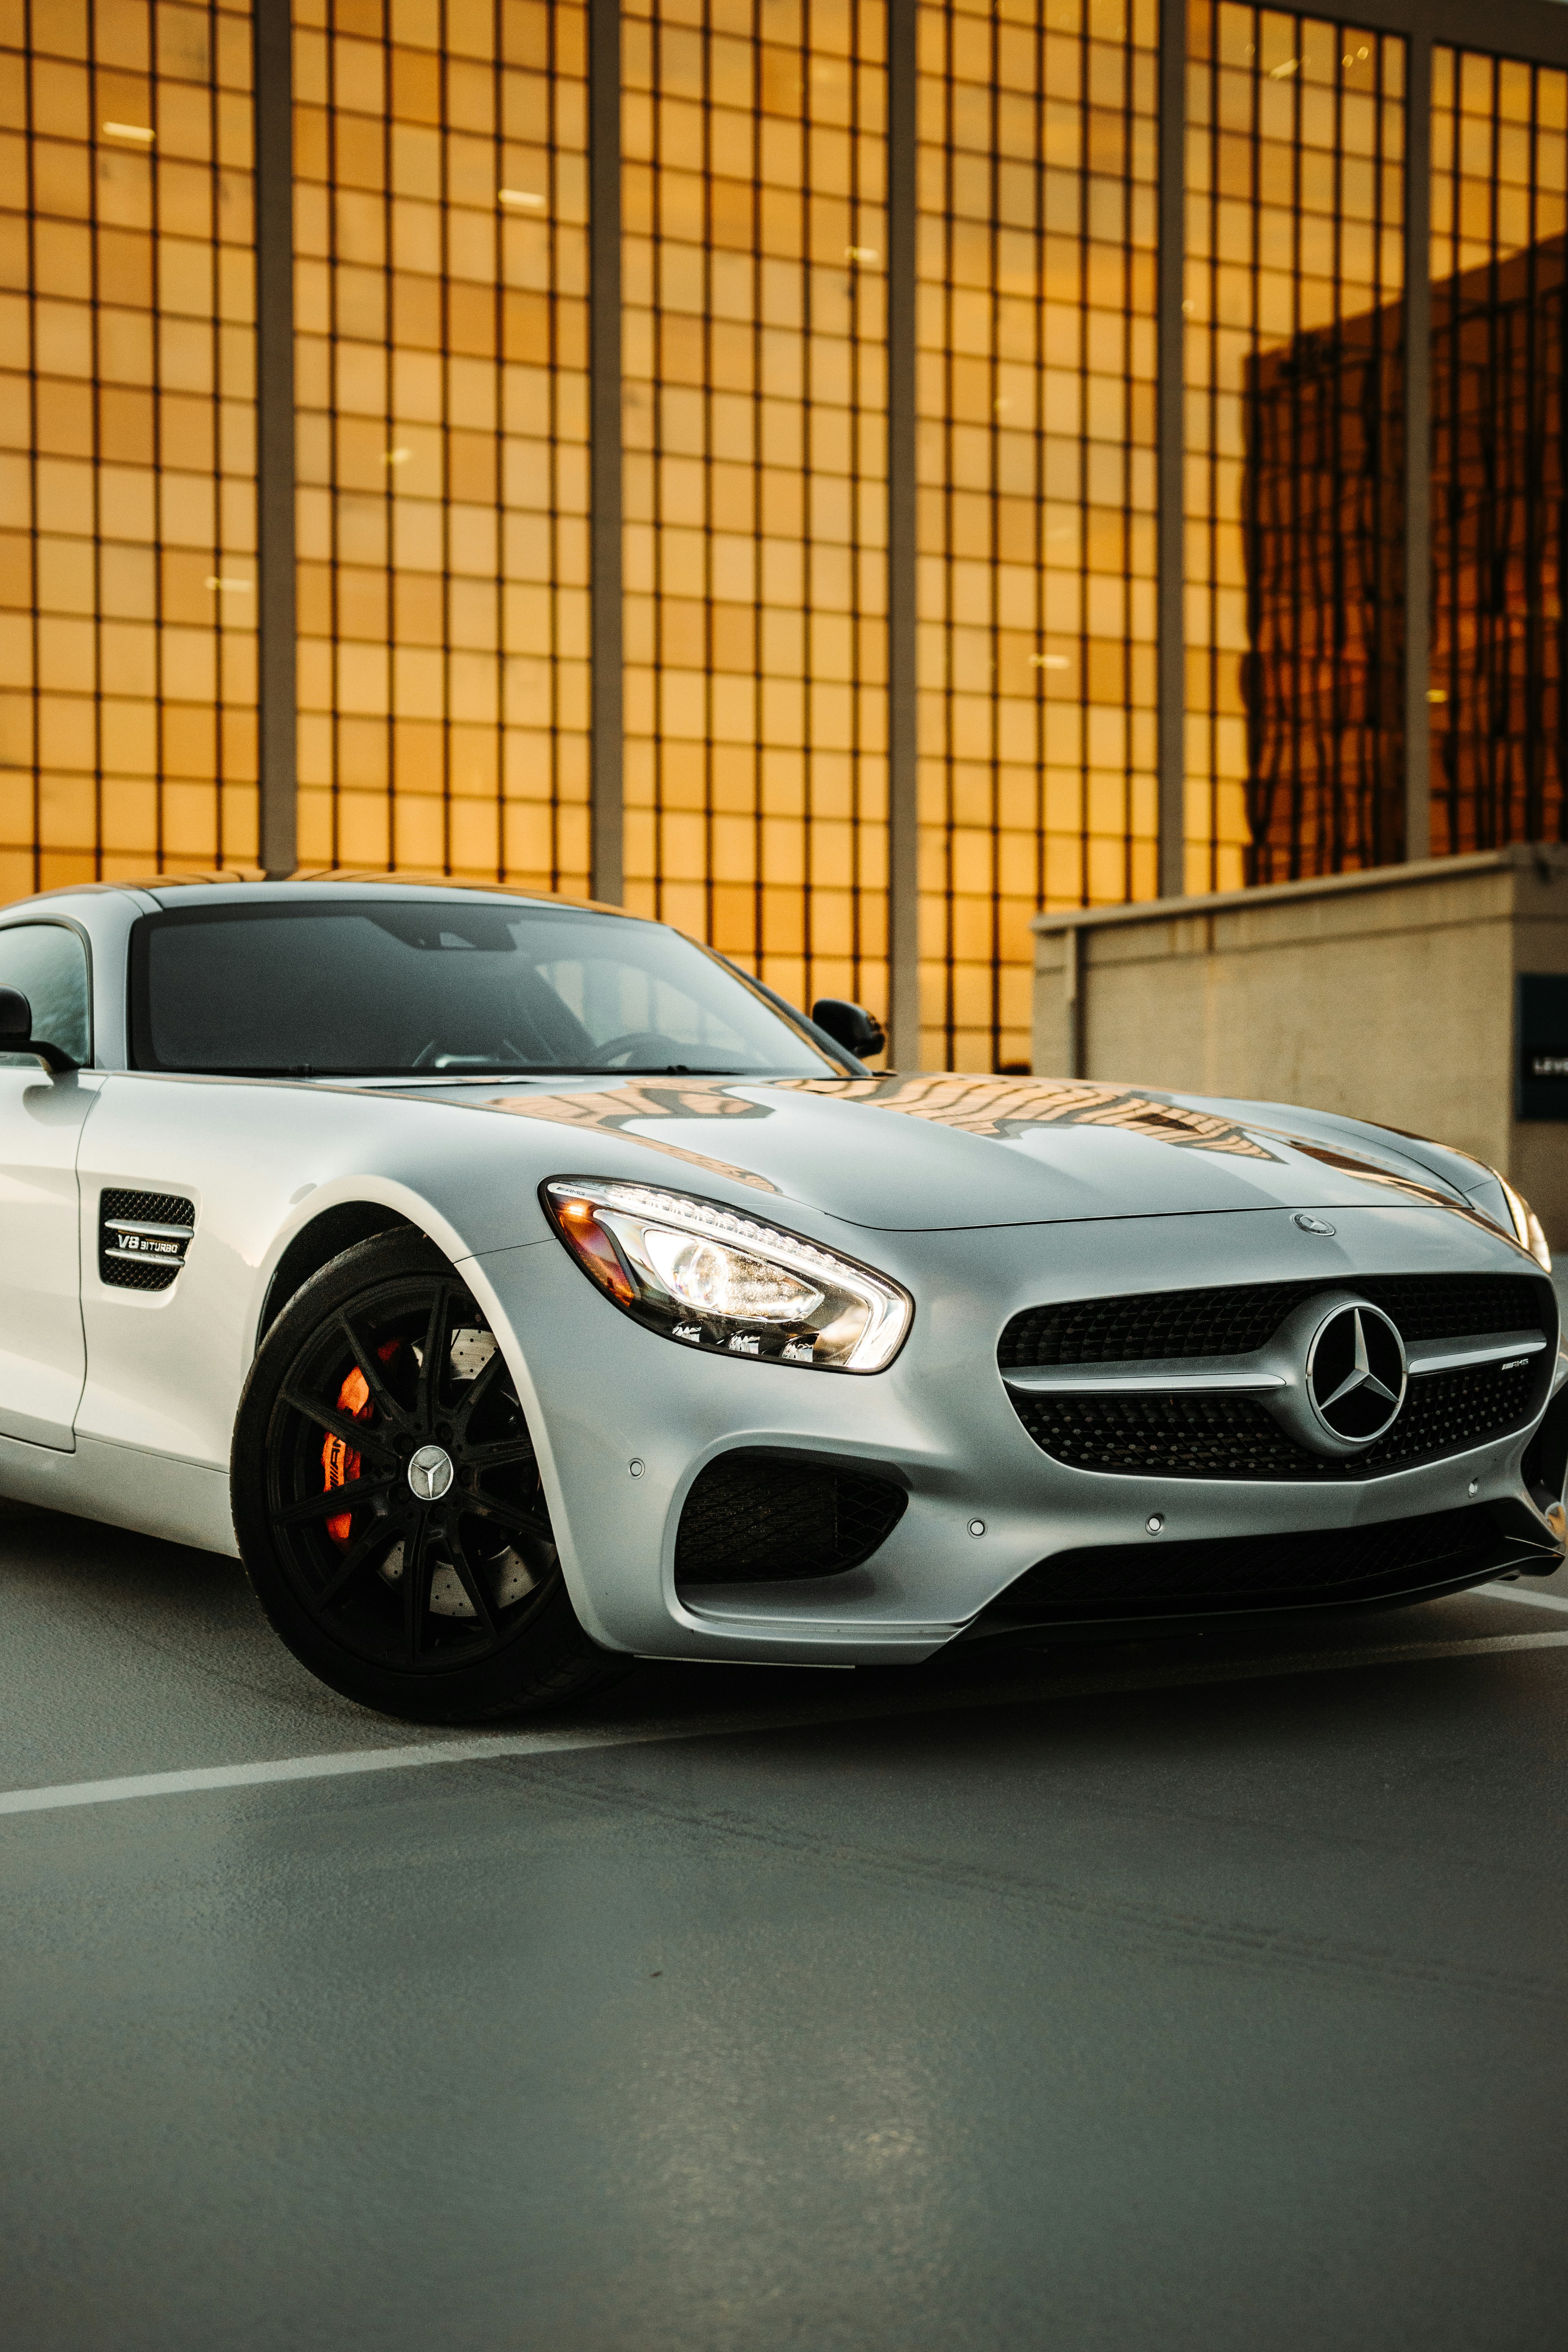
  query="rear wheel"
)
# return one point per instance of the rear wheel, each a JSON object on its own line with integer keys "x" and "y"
{"x": 388, "y": 1504}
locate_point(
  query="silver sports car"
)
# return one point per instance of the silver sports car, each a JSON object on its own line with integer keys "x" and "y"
{"x": 518, "y": 1288}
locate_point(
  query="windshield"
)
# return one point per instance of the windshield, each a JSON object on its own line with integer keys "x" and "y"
{"x": 423, "y": 988}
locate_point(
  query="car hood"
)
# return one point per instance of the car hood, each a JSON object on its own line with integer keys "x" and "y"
{"x": 924, "y": 1152}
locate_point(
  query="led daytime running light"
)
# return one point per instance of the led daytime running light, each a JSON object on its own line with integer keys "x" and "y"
{"x": 705, "y": 1217}
{"x": 1527, "y": 1226}
{"x": 717, "y": 1280}
{"x": 701, "y": 1271}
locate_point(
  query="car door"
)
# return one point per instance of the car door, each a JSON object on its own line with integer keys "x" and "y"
{"x": 42, "y": 1353}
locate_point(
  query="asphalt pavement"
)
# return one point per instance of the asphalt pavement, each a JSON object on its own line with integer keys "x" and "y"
{"x": 1210, "y": 1994}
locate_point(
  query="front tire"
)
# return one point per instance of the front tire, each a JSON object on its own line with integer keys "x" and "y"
{"x": 387, "y": 1500}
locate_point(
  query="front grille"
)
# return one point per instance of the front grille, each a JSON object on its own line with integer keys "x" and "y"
{"x": 1180, "y": 1436}
{"x": 1252, "y": 1571}
{"x": 755, "y": 1518}
{"x": 1235, "y": 1321}
{"x": 145, "y": 1209}
{"x": 1235, "y": 1437}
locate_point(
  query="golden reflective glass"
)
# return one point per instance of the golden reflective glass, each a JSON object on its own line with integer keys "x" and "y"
{"x": 441, "y": 292}
{"x": 1294, "y": 524}
{"x": 1037, "y": 492}
{"x": 1498, "y": 500}
{"x": 127, "y": 443}
{"x": 755, "y": 424}
{"x": 441, "y": 374}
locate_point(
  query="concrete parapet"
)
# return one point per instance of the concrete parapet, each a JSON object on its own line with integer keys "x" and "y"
{"x": 1387, "y": 995}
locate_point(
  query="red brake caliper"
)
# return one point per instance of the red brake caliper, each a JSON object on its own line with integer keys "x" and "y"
{"x": 339, "y": 1459}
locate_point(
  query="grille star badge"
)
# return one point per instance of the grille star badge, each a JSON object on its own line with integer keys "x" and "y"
{"x": 1357, "y": 1374}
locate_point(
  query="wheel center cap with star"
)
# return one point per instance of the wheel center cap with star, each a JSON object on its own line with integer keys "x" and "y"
{"x": 429, "y": 1473}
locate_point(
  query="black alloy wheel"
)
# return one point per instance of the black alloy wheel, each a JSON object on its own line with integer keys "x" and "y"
{"x": 388, "y": 1502}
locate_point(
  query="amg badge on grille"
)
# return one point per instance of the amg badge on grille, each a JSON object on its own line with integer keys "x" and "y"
{"x": 143, "y": 1238}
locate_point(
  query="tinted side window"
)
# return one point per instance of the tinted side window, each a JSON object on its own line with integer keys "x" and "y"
{"x": 48, "y": 964}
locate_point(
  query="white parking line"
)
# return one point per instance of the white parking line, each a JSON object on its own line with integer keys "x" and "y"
{"x": 566, "y": 1742}
{"x": 1513, "y": 1592}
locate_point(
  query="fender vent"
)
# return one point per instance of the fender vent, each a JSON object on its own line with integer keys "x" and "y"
{"x": 760, "y": 1519}
{"x": 143, "y": 1238}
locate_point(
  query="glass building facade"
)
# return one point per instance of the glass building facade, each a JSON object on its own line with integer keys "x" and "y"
{"x": 128, "y": 692}
{"x": 755, "y": 482}
{"x": 1037, "y": 539}
{"x": 440, "y": 376}
{"x": 1500, "y": 153}
{"x": 1294, "y": 367}
{"x": 1055, "y": 448}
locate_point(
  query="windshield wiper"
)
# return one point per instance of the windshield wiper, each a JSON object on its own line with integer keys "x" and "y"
{"x": 484, "y": 1072}
{"x": 378, "y": 1070}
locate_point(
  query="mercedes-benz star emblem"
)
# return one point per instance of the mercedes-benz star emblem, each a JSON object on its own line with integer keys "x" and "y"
{"x": 430, "y": 1473}
{"x": 1310, "y": 1225}
{"x": 1357, "y": 1374}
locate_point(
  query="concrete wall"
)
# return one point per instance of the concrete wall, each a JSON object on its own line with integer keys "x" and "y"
{"x": 1388, "y": 996}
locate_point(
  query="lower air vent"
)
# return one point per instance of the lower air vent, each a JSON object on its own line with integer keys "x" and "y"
{"x": 143, "y": 1238}
{"x": 1236, "y": 1573}
{"x": 760, "y": 1518}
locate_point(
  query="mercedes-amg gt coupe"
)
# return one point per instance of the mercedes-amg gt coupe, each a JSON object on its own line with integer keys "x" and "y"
{"x": 518, "y": 1288}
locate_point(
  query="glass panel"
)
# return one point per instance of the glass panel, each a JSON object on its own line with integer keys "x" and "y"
{"x": 127, "y": 443}
{"x": 47, "y": 964}
{"x": 1037, "y": 508}
{"x": 392, "y": 989}
{"x": 1499, "y": 177}
{"x": 440, "y": 285}
{"x": 756, "y": 483}
{"x": 1294, "y": 453}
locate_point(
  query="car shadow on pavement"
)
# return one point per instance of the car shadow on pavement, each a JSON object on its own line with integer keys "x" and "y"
{"x": 127, "y": 1654}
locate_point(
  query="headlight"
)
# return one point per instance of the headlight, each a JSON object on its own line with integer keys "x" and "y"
{"x": 1527, "y": 1225}
{"x": 715, "y": 1279}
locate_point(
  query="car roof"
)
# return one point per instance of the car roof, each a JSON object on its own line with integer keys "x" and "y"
{"x": 240, "y": 882}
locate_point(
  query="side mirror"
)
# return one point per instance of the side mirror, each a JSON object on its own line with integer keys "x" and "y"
{"x": 17, "y": 1031}
{"x": 849, "y": 1025}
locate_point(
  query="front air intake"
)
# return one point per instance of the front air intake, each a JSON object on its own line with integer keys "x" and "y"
{"x": 143, "y": 1238}
{"x": 762, "y": 1518}
{"x": 1315, "y": 1568}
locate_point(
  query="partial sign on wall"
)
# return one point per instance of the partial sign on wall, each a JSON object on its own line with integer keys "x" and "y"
{"x": 1541, "y": 1027}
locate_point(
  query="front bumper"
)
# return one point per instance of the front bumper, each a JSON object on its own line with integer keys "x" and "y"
{"x": 625, "y": 1423}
